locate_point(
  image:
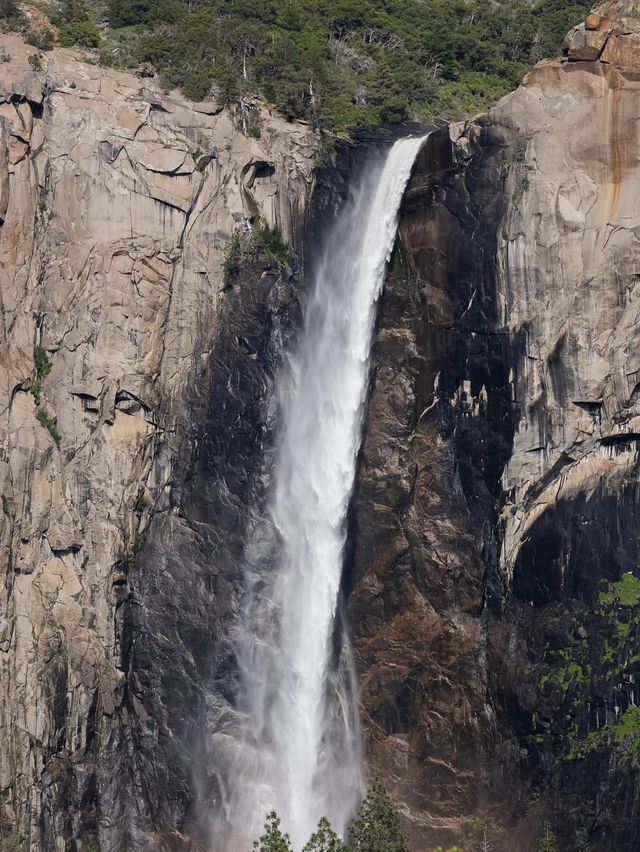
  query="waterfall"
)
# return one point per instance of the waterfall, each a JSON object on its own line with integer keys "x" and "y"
{"x": 299, "y": 729}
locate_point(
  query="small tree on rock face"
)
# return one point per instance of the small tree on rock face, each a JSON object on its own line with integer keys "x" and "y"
{"x": 273, "y": 840}
{"x": 324, "y": 839}
{"x": 548, "y": 842}
{"x": 376, "y": 827}
{"x": 486, "y": 835}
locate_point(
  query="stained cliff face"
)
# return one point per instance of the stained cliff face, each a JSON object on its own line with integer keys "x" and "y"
{"x": 495, "y": 517}
{"x": 116, "y": 205}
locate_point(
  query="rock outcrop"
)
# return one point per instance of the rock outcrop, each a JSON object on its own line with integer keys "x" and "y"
{"x": 496, "y": 510}
{"x": 117, "y": 202}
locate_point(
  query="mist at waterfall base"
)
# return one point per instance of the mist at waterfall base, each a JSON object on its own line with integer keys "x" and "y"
{"x": 297, "y": 744}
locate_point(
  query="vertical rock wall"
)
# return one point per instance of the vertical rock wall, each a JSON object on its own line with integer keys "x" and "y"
{"x": 495, "y": 521}
{"x": 116, "y": 205}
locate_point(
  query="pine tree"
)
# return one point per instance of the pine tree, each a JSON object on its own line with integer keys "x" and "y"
{"x": 376, "y": 827}
{"x": 273, "y": 840}
{"x": 548, "y": 842}
{"x": 324, "y": 839}
{"x": 486, "y": 835}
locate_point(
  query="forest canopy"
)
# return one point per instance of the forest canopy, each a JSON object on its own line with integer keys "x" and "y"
{"x": 335, "y": 63}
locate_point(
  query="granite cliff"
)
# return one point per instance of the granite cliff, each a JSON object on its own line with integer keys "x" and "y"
{"x": 494, "y": 522}
{"x": 117, "y": 203}
{"x": 492, "y": 543}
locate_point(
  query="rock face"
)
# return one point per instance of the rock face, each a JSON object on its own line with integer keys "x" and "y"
{"x": 116, "y": 206}
{"x": 495, "y": 516}
{"x": 492, "y": 546}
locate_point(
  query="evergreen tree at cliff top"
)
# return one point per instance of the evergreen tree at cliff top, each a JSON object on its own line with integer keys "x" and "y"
{"x": 338, "y": 63}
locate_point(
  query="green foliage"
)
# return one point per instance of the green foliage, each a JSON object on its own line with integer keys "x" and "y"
{"x": 5, "y": 506}
{"x": 519, "y": 166}
{"x": 42, "y": 39}
{"x": 8, "y": 8}
{"x": 43, "y": 368}
{"x": 141, "y": 503}
{"x": 324, "y": 839}
{"x": 327, "y": 151}
{"x": 486, "y": 835}
{"x": 123, "y": 13}
{"x": 197, "y": 84}
{"x": 562, "y": 677}
{"x": 547, "y": 842}
{"x": 338, "y": 63}
{"x": 273, "y": 840}
{"x": 626, "y": 592}
{"x": 72, "y": 10}
{"x": 624, "y": 736}
{"x": 36, "y": 390}
{"x": 247, "y": 243}
{"x": 591, "y": 652}
{"x": 250, "y": 120}
{"x": 80, "y": 32}
{"x": 49, "y": 423}
{"x": 35, "y": 61}
{"x": 42, "y": 362}
{"x": 271, "y": 242}
{"x": 376, "y": 827}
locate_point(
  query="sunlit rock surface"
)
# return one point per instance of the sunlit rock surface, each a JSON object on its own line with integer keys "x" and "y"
{"x": 116, "y": 203}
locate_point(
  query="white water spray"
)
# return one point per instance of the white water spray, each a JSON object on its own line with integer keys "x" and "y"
{"x": 300, "y": 737}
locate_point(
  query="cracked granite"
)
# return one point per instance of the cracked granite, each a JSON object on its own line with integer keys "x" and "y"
{"x": 116, "y": 202}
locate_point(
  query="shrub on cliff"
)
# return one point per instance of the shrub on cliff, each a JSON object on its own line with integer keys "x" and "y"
{"x": 9, "y": 9}
{"x": 272, "y": 242}
{"x": 42, "y": 39}
{"x": 11, "y": 18}
{"x": 80, "y": 32}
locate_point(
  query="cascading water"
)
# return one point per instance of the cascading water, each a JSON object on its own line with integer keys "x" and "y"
{"x": 300, "y": 740}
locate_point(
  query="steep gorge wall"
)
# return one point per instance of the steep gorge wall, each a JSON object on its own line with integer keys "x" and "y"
{"x": 497, "y": 496}
{"x": 116, "y": 205}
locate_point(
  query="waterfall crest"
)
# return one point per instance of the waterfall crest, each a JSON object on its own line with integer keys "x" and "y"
{"x": 300, "y": 738}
